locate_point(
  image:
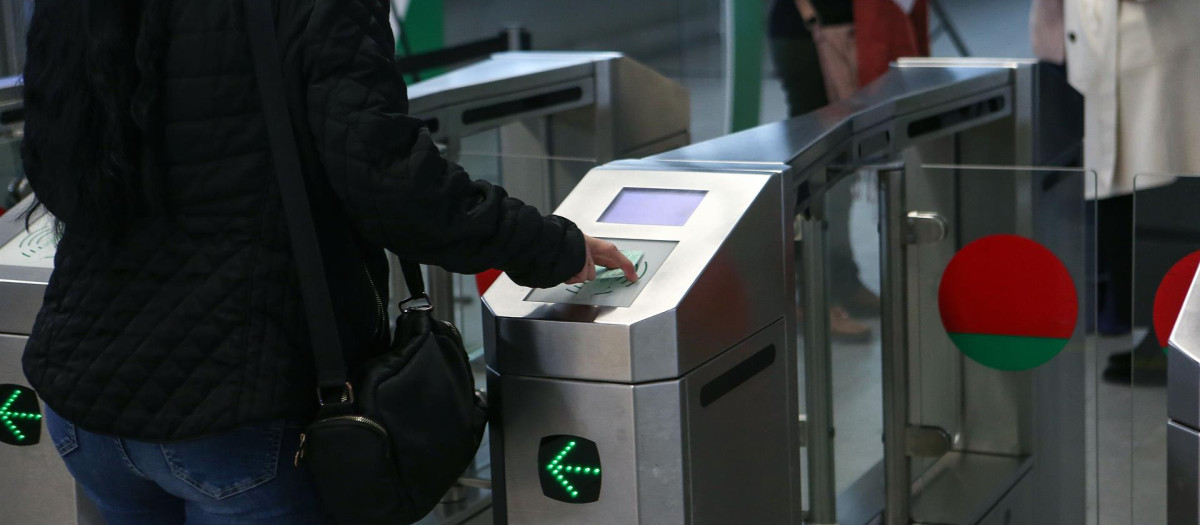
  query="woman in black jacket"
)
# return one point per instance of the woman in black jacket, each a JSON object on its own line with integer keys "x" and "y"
{"x": 171, "y": 349}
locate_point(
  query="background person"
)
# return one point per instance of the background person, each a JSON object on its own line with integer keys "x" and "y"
{"x": 798, "y": 63}
{"x": 1137, "y": 65}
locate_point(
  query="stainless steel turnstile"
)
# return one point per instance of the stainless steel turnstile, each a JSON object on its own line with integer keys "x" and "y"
{"x": 668, "y": 400}
{"x": 572, "y": 370}
{"x": 995, "y": 439}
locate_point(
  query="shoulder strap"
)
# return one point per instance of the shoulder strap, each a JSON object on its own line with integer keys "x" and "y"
{"x": 318, "y": 305}
{"x": 414, "y": 280}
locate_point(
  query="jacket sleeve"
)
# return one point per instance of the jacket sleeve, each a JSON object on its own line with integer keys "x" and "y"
{"x": 390, "y": 175}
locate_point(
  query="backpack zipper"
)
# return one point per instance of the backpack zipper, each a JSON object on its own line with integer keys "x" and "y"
{"x": 381, "y": 318}
{"x": 357, "y": 419}
{"x": 453, "y": 329}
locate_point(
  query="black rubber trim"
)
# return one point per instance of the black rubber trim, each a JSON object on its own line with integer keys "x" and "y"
{"x": 953, "y": 117}
{"x": 874, "y": 144}
{"x": 522, "y": 105}
{"x": 736, "y": 376}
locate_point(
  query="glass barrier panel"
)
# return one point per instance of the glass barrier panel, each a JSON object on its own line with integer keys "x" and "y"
{"x": 1161, "y": 256}
{"x": 1001, "y": 350}
{"x": 852, "y": 274}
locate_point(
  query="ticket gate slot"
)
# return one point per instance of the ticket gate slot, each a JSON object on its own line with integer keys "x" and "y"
{"x": 670, "y": 400}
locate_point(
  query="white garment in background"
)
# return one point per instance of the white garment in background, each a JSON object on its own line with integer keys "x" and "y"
{"x": 1138, "y": 67}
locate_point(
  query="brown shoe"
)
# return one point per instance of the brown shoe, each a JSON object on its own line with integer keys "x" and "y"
{"x": 842, "y": 327}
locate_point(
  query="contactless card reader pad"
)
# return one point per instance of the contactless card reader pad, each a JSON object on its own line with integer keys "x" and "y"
{"x": 612, "y": 290}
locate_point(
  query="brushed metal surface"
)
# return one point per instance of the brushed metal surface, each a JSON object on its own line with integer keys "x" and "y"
{"x": 603, "y": 413}
{"x": 667, "y": 458}
{"x": 906, "y": 90}
{"x": 894, "y": 345}
{"x": 1183, "y": 475}
{"x": 503, "y": 73}
{"x": 710, "y": 292}
{"x": 740, "y": 476}
{"x": 962, "y": 488}
{"x": 818, "y": 370}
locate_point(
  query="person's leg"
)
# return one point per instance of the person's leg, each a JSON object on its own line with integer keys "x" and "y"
{"x": 844, "y": 275}
{"x": 242, "y": 477}
{"x": 845, "y": 279}
{"x": 1114, "y": 244}
{"x": 799, "y": 69}
{"x": 799, "y": 72}
{"x": 1145, "y": 362}
{"x": 102, "y": 469}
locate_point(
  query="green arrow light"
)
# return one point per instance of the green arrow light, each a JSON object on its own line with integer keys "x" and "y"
{"x": 560, "y": 469}
{"x": 20, "y": 416}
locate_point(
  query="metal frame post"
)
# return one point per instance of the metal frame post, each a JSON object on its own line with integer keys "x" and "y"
{"x": 818, "y": 369}
{"x": 893, "y": 285}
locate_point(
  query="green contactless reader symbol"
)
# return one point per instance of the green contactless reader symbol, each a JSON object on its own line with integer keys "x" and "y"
{"x": 20, "y": 415}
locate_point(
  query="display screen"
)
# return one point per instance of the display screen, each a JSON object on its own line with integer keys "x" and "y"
{"x": 653, "y": 206}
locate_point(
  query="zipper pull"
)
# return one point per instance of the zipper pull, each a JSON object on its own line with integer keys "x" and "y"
{"x": 300, "y": 451}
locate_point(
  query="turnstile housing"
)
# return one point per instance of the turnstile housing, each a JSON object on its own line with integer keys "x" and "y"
{"x": 688, "y": 393}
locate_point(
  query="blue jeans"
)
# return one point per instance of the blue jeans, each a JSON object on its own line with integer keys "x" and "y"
{"x": 240, "y": 477}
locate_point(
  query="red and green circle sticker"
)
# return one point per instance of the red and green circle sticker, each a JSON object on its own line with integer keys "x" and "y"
{"x": 1008, "y": 303}
{"x": 1168, "y": 300}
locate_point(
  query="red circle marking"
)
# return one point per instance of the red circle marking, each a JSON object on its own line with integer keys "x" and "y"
{"x": 1008, "y": 285}
{"x": 1168, "y": 300}
{"x": 1008, "y": 302}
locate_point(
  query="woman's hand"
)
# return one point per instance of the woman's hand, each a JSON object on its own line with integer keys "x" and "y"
{"x": 605, "y": 254}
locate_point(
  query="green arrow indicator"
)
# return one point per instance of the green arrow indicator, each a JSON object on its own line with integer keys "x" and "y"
{"x": 20, "y": 416}
{"x": 561, "y": 470}
{"x": 570, "y": 468}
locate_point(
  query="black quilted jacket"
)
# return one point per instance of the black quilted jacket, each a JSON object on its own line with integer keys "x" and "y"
{"x": 192, "y": 324}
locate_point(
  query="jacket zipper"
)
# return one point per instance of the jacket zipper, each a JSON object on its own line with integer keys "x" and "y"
{"x": 357, "y": 419}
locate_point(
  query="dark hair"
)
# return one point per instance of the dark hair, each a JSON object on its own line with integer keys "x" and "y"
{"x": 92, "y": 136}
